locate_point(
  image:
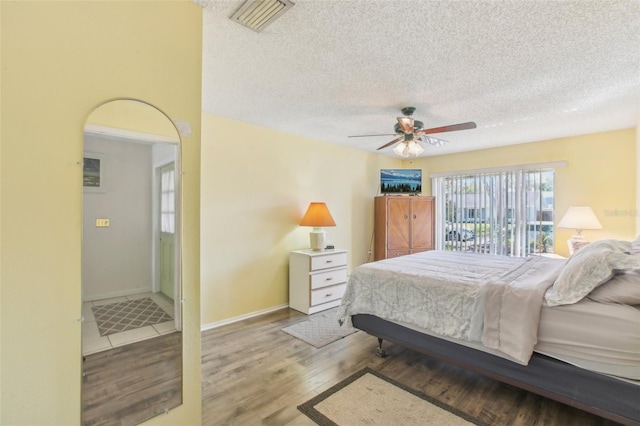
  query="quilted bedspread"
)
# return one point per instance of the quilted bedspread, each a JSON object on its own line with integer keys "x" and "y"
{"x": 495, "y": 300}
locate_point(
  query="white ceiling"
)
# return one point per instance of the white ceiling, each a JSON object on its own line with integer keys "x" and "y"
{"x": 523, "y": 70}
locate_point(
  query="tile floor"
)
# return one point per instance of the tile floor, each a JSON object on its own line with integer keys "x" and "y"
{"x": 92, "y": 342}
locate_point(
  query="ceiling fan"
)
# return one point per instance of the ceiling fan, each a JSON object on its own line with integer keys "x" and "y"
{"x": 411, "y": 131}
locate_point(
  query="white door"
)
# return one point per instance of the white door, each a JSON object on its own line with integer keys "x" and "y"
{"x": 168, "y": 246}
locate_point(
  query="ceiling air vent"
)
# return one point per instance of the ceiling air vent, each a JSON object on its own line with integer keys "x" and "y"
{"x": 258, "y": 14}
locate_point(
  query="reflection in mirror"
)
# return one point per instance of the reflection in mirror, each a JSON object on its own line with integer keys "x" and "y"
{"x": 131, "y": 339}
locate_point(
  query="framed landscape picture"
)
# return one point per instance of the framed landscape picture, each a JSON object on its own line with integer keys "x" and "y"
{"x": 93, "y": 172}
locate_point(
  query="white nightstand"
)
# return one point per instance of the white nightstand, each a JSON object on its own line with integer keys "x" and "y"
{"x": 317, "y": 279}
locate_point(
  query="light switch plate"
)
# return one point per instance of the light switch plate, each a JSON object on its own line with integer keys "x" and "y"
{"x": 102, "y": 223}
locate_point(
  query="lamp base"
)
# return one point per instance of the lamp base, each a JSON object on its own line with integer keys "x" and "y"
{"x": 318, "y": 239}
{"x": 576, "y": 242}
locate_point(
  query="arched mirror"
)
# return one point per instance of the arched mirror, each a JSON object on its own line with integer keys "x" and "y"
{"x": 131, "y": 287}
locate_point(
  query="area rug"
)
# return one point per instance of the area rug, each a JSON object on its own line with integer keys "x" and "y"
{"x": 123, "y": 316}
{"x": 320, "y": 329}
{"x": 369, "y": 398}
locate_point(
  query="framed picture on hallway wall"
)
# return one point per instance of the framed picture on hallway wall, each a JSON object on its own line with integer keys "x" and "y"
{"x": 93, "y": 172}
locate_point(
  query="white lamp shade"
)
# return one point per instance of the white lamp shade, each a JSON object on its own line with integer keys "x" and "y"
{"x": 579, "y": 218}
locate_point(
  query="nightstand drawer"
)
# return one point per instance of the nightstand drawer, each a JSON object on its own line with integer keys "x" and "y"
{"x": 332, "y": 277}
{"x": 327, "y": 294}
{"x": 332, "y": 260}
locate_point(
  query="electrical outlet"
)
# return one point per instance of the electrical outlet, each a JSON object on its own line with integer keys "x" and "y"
{"x": 102, "y": 223}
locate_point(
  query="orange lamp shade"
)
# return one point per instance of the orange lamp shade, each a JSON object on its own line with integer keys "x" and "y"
{"x": 317, "y": 215}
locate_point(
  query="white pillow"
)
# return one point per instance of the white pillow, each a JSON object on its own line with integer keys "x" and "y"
{"x": 589, "y": 267}
{"x": 617, "y": 245}
{"x": 623, "y": 288}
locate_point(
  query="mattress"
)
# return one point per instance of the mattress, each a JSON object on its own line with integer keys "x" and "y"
{"x": 601, "y": 337}
{"x": 441, "y": 293}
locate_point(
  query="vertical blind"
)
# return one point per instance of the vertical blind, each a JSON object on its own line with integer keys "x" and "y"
{"x": 506, "y": 212}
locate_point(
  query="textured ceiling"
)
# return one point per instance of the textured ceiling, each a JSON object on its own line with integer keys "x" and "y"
{"x": 523, "y": 70}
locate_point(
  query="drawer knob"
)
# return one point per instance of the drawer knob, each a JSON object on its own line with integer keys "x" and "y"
{"x": 329, "y": 261}
{"x": 328, "y": 295}
{"x": 329, "y": 278}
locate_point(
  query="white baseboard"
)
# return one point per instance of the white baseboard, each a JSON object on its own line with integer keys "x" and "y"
{"x": 217, "y": 324}
{"x": 120, "y": 293}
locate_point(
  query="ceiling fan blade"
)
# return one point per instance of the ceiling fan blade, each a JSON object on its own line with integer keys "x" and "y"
{"x": 433, "y": 141}
{"x": 450, "y": 128}
{"x": 406, "y": 124}
{"x": 367, "y": 136}
{"x": 396, "y": 140}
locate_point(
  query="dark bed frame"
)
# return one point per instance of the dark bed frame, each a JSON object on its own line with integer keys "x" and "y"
{"x": 599, "y": 394}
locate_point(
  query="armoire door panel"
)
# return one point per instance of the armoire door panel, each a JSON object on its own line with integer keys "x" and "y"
{"x": 398, "y": 224}
{"x": 422, "y": 224}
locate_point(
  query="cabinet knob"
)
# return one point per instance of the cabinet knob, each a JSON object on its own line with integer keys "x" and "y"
{"x": 329, "y": 261}
{"x": 406, "y": 217}
{"x": 414, "y": 216}
{"x": 329, "y": 278}
{"x": 328, "y": 295}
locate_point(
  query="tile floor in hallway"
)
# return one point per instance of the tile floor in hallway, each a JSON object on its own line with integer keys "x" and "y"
{"x": 92, "y": 342}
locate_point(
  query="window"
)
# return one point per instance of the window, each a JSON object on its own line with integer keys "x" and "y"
{"x": 507, "y": 212}
{"x": 167, "y": 201}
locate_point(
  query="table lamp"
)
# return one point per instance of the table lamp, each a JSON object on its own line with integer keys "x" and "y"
{"x": 317, "y": 215}
{"x": 579, "y": 218}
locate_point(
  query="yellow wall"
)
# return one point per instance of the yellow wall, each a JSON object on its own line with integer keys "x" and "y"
{"x": 59, "y": 61}
{"x": 600, "y": 173}
{"x": 256, "y": 185}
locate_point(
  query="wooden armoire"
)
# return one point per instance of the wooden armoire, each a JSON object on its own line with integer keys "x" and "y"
{"x": 403, "y": 225}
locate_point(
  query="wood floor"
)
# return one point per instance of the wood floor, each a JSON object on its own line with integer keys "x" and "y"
{"x": 255, "y": 374}
{"x": 129, "y": 384}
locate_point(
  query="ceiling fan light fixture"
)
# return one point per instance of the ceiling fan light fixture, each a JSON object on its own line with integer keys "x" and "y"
{"x": 258, "y": 14}
{"x": 408, "y": 149}
{"x": 401, "y": 149}
{"x": 414, "y": 149}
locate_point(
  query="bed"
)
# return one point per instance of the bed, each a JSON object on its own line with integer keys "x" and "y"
{"x": 568, "y": 330}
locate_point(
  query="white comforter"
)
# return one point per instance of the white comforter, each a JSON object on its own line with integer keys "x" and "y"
{"x": 495, "y": 300}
